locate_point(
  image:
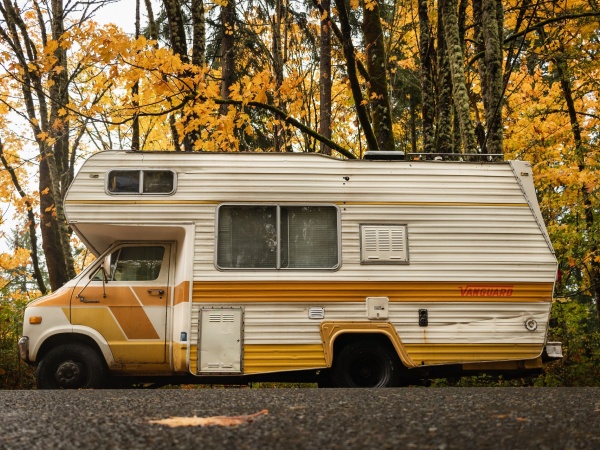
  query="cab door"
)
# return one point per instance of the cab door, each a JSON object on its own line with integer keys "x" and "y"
{"x": 129, "y": 305}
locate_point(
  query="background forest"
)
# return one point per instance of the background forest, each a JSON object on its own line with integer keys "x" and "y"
{"x": 499, "y": 78}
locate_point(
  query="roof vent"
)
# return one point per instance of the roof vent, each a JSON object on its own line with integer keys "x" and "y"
{"x": 384, "y": 155}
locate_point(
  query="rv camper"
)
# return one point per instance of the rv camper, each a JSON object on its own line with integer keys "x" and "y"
{"x": 235, "y": 267}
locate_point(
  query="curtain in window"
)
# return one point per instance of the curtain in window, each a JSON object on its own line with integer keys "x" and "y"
{"x": 247, "y": 237}
{"x": 309, "y": 237}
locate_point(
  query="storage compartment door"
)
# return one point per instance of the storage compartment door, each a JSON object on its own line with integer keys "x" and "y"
{"x": 220, "y": 346}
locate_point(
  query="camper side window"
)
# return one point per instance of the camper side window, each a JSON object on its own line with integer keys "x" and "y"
{"x": 141, "y": 182}
{"x": 277, "y": 237}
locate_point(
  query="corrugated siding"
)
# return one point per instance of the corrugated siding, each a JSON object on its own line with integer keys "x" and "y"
{"x": 456, "y": 323}
{"x": 273, "y": 177}
{"x": 280, "y": 336}
{"x": 466, "y": 221}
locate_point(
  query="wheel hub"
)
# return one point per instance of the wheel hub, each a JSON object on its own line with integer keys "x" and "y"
{"x": 368, "y": 371}
{"x": 69, "y": 374}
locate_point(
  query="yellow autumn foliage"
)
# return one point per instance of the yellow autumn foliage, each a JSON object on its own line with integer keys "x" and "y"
{"x": 14, "y": 260}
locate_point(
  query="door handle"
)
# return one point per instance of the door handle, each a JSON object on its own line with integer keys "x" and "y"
{"x": 156, "y": 291}
{"x": 83, "y": 300}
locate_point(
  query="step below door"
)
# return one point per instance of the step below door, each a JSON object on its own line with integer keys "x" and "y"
{"x": 220, "y": 346}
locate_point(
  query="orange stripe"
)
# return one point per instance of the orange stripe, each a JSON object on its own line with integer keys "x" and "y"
{"x": 124, "y": 306}
{"x": 181, "y": 293}
{"x": 314, "y": 291}
{"x": 134, "y": 322}
{"x": 216, "y": 202}
{"x": 62, "y": 297}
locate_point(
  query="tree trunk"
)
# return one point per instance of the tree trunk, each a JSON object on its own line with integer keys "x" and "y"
{"x": 379, "y": 99}
{"x": 459, "y": 83}
{"x": 444, "y": 107}
{"x": 488, "y": 43}
{"x": 135, "y": 125}
{"x": 276, "y": 51}
{"x": 57, "y": 154}
{"x": 152, "y": 26}
{"x": 199, "y": 33}
{"x": 493, "y": 87}
{"x": 348, "y": 47}
{"x": 325, "y": 78}
{"x": 426, "y": 53}
{"x": 227, "y": 52}
{"x": 178, "y": 42}
{"x": 177, "y": 36}
{"x": 413, "y": 123}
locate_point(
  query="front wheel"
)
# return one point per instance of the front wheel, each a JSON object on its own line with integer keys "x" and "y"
{"x": 71, "y": 366}
{"x": 367, "y": 363}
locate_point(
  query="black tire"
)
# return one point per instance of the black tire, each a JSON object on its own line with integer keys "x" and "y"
{"x": 71, "y": 366}
{"x": 367, "y": 363}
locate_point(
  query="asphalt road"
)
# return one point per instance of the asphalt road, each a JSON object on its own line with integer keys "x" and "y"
{"x": 420, "y": 418}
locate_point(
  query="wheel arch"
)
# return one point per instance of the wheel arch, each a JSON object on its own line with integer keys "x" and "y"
{"x": 335, "y": 335}
{"x": 69, "y": 338}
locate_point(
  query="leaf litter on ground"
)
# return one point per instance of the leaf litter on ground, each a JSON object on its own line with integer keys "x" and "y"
{"x": 223, "y": 421}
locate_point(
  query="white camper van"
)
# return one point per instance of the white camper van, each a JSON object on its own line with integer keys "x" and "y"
{"x": 234, "y": 267}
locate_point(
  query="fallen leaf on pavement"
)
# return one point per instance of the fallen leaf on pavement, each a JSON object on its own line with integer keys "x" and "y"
{"x": 223, "y": 421}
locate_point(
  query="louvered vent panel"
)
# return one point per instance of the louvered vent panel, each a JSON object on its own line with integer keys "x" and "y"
{"x": 221, "y": 317}
{"x": 384, "y": 244}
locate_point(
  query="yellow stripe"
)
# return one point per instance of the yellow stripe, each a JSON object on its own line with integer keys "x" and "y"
{"x": 427, "y": 354}
{"x": 124, "y": 351}
{"x": 119, "y": 201}
{"x": 279, "y": 358}
{"x": 194, "y": 358}
{"x": 346, "y": 291}
{"x": 142, "y": 202}
{"x": 276, "y": 358}
{"x": 179, "y": 357}
{"x": 453, "y": 204}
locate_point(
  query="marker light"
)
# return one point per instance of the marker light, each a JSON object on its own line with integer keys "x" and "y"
{"x": 35, "y": 320}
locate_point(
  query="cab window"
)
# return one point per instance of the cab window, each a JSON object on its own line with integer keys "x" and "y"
{"x": 139, "y": 263}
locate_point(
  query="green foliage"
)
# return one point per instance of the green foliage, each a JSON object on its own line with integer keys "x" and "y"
{"x": 574, "y": 324}
{"x": 14, "y": 373}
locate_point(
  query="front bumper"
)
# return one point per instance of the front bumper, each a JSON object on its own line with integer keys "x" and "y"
{"x": 24, "y": 348}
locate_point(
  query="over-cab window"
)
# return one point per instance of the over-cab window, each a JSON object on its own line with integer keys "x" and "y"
{"x": 141, "y": 182}
{"x": 140, "y": 263}
{"x": 277, "y": 237}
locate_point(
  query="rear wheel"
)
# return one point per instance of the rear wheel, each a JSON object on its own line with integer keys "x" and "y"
{"x": 71, "y": 366}
{"x": 367, "y": 363}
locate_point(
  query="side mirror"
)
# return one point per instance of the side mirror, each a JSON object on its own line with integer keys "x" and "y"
{"x": 101, "y": 274}
{"x": 106, "y": 268}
